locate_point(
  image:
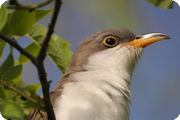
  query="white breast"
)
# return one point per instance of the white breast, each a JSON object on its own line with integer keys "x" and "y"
{"x": 77, "y": 103}
{"x": 101, "y": 92}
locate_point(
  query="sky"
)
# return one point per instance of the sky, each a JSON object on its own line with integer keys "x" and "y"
{"x": 155, "y": 83}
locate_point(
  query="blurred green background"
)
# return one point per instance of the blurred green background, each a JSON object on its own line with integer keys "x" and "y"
{"x": 156, "y": 81}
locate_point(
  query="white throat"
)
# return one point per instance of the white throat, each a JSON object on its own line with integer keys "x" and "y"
{"x": 101, "y": 92}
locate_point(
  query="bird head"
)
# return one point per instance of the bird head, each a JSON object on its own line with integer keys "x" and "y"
{"x": 113, "y": 50}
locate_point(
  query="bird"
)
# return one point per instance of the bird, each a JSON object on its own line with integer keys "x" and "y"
{"x": 96, "y": 85}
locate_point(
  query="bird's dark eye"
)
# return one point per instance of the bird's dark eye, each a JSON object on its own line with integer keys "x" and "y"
{"x": 138, "y": 37}
{"x": 110, "y": 41}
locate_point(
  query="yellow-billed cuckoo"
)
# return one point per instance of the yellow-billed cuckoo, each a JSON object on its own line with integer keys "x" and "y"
{"x": 96, "y": 84}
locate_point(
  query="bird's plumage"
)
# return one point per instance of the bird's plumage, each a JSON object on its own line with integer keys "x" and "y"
{"x": 96, "y": 84}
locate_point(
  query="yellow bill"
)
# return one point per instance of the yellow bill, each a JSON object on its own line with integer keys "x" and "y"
{"x": 147, "y": 39}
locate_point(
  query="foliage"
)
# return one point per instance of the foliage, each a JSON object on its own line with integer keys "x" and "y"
{"x": 16, "y": 98}
{"x": 165, "y": 4}
{"x": 3, "y": 17}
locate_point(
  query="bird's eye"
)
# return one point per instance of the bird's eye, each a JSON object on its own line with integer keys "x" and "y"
{"x": 138, "y": 37}
{"x": 110, "y": 41}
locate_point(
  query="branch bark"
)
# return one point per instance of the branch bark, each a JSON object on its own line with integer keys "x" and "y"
{"x": 40, "y": 58}
{"x": 15, "y": 44}
{"x": 29, "y": 7}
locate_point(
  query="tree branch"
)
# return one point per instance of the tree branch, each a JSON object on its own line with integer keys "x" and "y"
{"x": 40, "y": 58}
{"x": 42, "y": 52}
{"x": 18, "y": 47}
{"x": 29, "y": 7}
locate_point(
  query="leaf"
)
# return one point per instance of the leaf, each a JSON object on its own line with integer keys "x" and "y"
{"x": 32, "y": 105}
{"x": 6, "y": 30}
{"x": 2, "y": 46}
{"x": 64, "y": 47}
{"x": 7, "y": 64}
{"x": 13, "y": 75}
{"x": 56, "y": 38}
{"x": 33, "y": 88}
{"x": 58, "y": 62}
{"x": 3, "y": 16}
{"x": 42, "y": 13}
{"x": 21, "y": 21}
{"x": 58, "y": 50}
{"x": 21, "y": 84}
{"x": 2, "y": 93}
{"x": 31, "y": 48}
{"x": 26, "y": 112}
{"x": 9, "y": 94}
{"x": 22, "y": 87}
{"x": 165, "y": 4}
{"x": 12, "y": 110}
{"x": 39, "y": 15}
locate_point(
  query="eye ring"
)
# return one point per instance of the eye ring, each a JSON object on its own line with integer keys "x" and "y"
{"x": 110, "y": 41}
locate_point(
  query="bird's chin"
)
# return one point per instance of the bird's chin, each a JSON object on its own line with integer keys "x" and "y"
{"x": 131, "y": 57}
{"x": 131, "y": 48}
{"x": 137, "y": 51}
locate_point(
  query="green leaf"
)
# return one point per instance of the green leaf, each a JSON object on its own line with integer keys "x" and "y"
{"x": 3, "y": 16}
{"x": 21, "y": 84}
{"x": 6, "y": 30}
{"x": 58, "y": 50}
{"x": 42, "y": 13}
{"x": 64, "y": 47}
{"x": 31, "y": 48}
{"x": 0, "y": 74}
{"x": 2, "y": 46}
{"x": 26, "y": 112}
{"x": 12, "y": 110}
{"x": 33, "y": 88}
{"x": 58, "y": 62}
{"x": 21, "y": 21}
{"x": 165, "y": 4}
{"x": 31, "y": 104}
{"x": 9, "y": 94}
{"x": 22, "y": 87}
{"x": 39, "y": 15}
{"x": 60, "y": 40}
{"x": 2, "y": 93}
{"x": 7, "y": 64}
{"x": 13, "y": 75}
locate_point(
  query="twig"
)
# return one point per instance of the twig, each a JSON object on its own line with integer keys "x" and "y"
{"x": 29, "y": 7}
{"x": 21, "y": 93}
{"x": 18, "y": 47}
{"x": 42, "y": 52}
{"x": 40, "y": 58}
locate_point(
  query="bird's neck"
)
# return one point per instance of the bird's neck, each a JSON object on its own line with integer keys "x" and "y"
{"x": 102, "y": 87}
{"x": 109, "y": 68}
{"x": 102, "y": 94}
{"x": 108, "y": 77}
{"x": 111, "y": 86}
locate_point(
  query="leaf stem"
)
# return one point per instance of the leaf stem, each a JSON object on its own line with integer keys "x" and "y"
{"x": 21, "y": 93}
